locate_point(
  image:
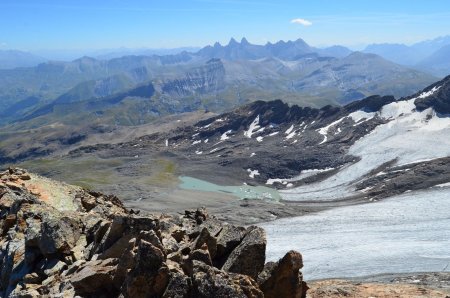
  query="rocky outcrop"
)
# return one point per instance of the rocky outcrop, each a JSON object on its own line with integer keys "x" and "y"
{"x": 71, "y": 242}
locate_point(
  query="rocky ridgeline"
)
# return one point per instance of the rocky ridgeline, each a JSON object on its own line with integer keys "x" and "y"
{"x": 62, "y": 241}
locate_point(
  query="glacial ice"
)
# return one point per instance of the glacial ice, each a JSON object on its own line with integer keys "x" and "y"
{"x": 406, "y": 233}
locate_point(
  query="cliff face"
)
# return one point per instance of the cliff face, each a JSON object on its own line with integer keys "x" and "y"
{"x": 61, "y": 240}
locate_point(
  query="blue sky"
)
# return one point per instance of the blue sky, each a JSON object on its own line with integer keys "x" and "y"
{"x": 98, "y": 24}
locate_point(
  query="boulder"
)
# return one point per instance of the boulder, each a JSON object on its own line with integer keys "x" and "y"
{"x": 212, "y": 282}
{"x": 179, "y": 286}
{"x": 150, "y": 275}
{"x": 227, "y": 240}
{"x": 59, "y": 234}
{"x": 283, "y": 279}
{"x": 249, "y": 256}
{"x": 95, "y": 277}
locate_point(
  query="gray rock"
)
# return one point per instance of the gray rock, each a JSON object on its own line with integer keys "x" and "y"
{"x": 95, "y": 277}
{"x": 283, "y": 279}
{"x": 249, "y": 256}
{"x": 58, "y": 235}
{"x": 179, "y": 286}
{"x": 212, "y": 282}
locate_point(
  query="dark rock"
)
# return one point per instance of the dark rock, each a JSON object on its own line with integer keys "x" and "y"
{"x": 206, "y": 238}
{"x": 150, "y": 275}
{"x": 179, "y": 286}
{"x": 227, "y": 240}
{"x": 58, "y": 235}
{"x": 95, "y": 277}
{"x": 283, "y": 279}
{"x": 212, "y": 282}
{"x": 249, "y": 256}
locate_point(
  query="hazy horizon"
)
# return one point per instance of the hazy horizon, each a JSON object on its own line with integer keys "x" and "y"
{"x": 86, "y": 26}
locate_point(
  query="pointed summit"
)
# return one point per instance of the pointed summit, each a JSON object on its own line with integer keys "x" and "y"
{"x": 233, "y": 42}
{"x": 244, "y": 41}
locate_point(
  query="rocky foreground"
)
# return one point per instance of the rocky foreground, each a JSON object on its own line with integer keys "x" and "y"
{"x": 62, "y": 241}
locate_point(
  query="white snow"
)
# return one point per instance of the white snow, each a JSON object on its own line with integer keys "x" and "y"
{"x": 214, "y": 150}
{"x": 252, "y": 173}
{"x": 289, "y": 130}
{"x": 206, "y": 141}
{"x": 324, "y": 130}
{"x": 291, "y": 135}
{"x": 167, "y": 143}
{"x": 409, "y": 137}
{"x": 443, "y": 185}
{"x": 198, "y": 152}
{"x": 361, "y": 115}
{"x": 225, "y": 136}
{"x": 274, "y": 133}
{"x": 259, "y": 139}
{"x": 253, "y": 126}
{"x": 253, "y": 154}
{"x": 260, "y": 130}
{"x": 407, "y": 233}
{"x": 220, "y": 120}
{"x": 429, "y": 93}
{"x": 303, "y": 174}
{"x": 196, "y": 142}
{"x": 397, "y": 108}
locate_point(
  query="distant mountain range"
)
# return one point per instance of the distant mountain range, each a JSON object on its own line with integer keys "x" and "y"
{"x": 12, "y": 58}
{"x": 215, "y": 78}
{"x": 431, "y": 56}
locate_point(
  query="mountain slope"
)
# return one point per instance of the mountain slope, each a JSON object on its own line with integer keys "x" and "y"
{"x": 10, "y": 59}
{"x": 368, "y": 148}
{"x": 291, "y": 71}
{"x": 398, "y": 53}
{"x": 438, "y": 63}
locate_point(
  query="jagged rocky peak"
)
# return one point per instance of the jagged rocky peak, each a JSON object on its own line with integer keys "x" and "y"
{"x": 232, "y": 42}
{"x": 436, "y": 96}
{"x": 61, "y": 240}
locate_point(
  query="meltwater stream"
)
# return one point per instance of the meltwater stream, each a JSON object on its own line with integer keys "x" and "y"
{"x": 406, "y": 233}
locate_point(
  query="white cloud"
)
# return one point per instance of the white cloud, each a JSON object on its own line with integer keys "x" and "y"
{"x": 302, "y": 22}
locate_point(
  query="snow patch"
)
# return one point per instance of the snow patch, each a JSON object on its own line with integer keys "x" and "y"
{"x": 259, "y": 139}
{"x": 443, "y": 185}
{"x": 324, "y": 130}
{"x": 291, "y": 135}
{"x": 408, "y": 137}
{"x": 289, "y": 130}
{"x": 361, "y": 115}
{"x": 253, "y": 126}
{"x": 252, "y": 173}
{"x": 429, "y": 93}
{"x": 225, "y": 136}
